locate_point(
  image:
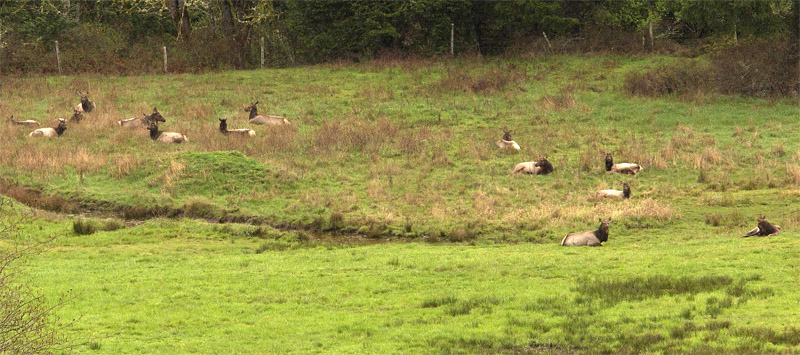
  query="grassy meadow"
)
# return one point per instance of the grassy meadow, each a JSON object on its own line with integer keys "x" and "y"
{"x": 385, "y": 219}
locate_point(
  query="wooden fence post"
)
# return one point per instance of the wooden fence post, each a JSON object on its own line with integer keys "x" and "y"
{"x": 165, "y": 58}
{"x": 262, "y": 52}
{"x": 651, "y": 36}
{"x": 452, "y": 34}
{"x": 58, "y": 58}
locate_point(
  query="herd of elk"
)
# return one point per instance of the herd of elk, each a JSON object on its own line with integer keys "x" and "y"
{"x": 539, "y": 167}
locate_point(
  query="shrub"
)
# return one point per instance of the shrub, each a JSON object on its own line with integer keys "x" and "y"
{"x": 112, "y": 225}
{"x": 198, "y": 208}
{"x": 678, "y": 79}
{"x": 759, "y": 68}
{"x": 84, "y": 227}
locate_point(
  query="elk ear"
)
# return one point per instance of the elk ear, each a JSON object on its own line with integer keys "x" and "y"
{"x": 256, "y": 103}
{"x": 219, "y": 119}
{"x": 600, "y": 219}
{"x": 155, "y": 109}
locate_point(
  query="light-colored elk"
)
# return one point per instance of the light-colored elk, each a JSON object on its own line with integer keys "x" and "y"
{"x": 165, "y": 137}
{"x": 23, "y": 123}
{"x": 539, "y": 167}
{"x": 142, "y": 122}
{"x": 85, "y": 105}
{"x": 255, "y": 118}
{"x": 622, "y": 168}
{"x": 223, "y": 127}
{"x": 588, "y": 238}
{"x": 625, "y": 193}
{"x": 51, "y": 131}
{"x": 506, "y": 142}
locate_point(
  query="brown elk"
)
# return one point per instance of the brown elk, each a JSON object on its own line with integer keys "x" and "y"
{"x": 764, "y": 229}
{"x": 85, "y": 105}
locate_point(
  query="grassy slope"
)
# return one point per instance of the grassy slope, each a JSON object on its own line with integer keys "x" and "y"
{"x": 405, "y": 151}
{"x": 420, "y": 160}
{"x": 186, "y": 287}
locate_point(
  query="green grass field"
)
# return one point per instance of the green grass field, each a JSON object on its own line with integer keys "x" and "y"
{"x": 385, "y": 220}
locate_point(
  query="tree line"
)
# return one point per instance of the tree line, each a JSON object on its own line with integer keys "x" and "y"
{"x": 98, "y": 35}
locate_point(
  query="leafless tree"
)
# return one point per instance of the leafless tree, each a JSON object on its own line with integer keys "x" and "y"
{"x": 27, "y": 322}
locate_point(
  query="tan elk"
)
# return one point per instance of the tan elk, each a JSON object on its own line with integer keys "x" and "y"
{"x": 622, "y": 168}
{"x": 50, "y": 131}
{"x": 85, "y": 105}
{"x": 588, "y": 238}
{"x": 506, "y": 142}
{"x": 23, "y": 123}
{"x": 223, "y": 127}
{"x": 539, "y": 167}
{"x": 165, "y": 137}
{"x": 142, "y": 122}
{"x": 764, "y": 229}
{"x": 625, "y": 193}
{"x": 255, "y": 118}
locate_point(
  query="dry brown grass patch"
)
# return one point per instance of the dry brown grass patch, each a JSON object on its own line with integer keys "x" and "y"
{"x": 351, "y": 134}
{"x": 565, "y": 100}
{"x": 491, "y": 81}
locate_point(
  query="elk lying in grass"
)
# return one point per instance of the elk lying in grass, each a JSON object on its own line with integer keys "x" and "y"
{"x": 764, "y": 229}
{"x": 85, "y": 105}
{"x": 622, "y": 168}
{"x": 506, "y": 142}
{"x": 23, "y": 123}
{"x": 165, "y": 137}
{"x": 255, "y": 118}
{"x": 539, "y": 167}
{"x": 625, "y": 193}
{"x": 223, "y": 127}
{"x": 77, "y": 116}
{"x": 143, "y": 122}
{"x": 50, "y": 131}
{"x": 588, "y": 238}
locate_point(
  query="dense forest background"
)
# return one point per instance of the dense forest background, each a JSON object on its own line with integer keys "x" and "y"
{"x": 127, "y": 36}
